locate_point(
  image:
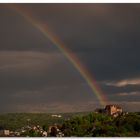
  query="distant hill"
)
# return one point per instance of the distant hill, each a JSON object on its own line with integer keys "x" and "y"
{"x": 15, "y": 121}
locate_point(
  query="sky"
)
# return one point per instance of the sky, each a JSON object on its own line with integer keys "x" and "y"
{"x": 35, "y": 76}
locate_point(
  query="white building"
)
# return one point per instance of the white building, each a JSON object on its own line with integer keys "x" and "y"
{"x": 57, "y": 116}
{"x": 4, "y": 132}
{"x": 44, "y": 134}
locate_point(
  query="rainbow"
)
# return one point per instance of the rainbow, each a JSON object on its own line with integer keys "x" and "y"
{"x": 66, "y": 52}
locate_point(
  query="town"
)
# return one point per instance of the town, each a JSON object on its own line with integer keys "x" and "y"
{"x": 55, "y": 129}
{"x": 37, "y": 130}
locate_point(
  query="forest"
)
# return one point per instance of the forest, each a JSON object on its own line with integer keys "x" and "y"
{"x": 101, "y": 125}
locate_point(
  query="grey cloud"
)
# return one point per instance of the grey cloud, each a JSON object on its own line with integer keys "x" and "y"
{"x": 135, "y": 93}
{"x": 34, "y": 77}
{"x": 105, "y": 37}
{"x": 18, "y": 34}
{"x": 123, "y": 83}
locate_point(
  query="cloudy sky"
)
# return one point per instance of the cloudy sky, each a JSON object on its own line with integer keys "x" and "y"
{"x": 36, "y": 77}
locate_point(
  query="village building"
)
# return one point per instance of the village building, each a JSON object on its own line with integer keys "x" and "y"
{"x": 4, "y": 132}
{"x": 44, "y": 134}
{"x": 54, "y": 131}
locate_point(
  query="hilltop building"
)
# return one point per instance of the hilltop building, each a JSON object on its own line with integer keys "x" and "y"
{"x": 113, "y": 110}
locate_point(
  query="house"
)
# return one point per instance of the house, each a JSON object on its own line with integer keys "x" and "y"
{"x": 44, "y": 134}
{"x": 54, "y": 131}
{"x": 4, "y": 132}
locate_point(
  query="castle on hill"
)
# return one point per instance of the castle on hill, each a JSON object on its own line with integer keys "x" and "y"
{"x": 112, "y": 110}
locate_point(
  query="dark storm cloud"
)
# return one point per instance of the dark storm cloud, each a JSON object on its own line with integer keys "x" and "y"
{"x": 17, "y": 33}
{"x": 29, "y": 77}
{"x": 33, "y": 72}
{"x": 104, "y": 36}
{"x": 113, "y": 63}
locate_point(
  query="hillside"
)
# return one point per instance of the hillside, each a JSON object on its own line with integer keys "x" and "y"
{"x": 13, "y": 121}
{"x": 75, "y": 124}
{"x": 102, "y": 125}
